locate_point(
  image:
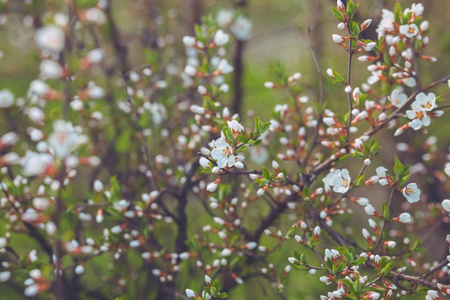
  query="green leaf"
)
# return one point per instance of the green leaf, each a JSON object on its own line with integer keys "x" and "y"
{"x": 402, "y": 181}
{"x": 383, "y": 262}
{"x": 337, "y": 14}
{"x": 416, "y": 245}
{"x": 355, "y": 28}
{"x": 358, "y": 154}
{"x": 237, "y": 261}
{"x": 360, "y": 180}
{"x": 240, "y": 149}
{"x": 257, "y": 126}
{"x": 361, "y": 260}
{"x": 115, "y": 188}
{"x": 374, "y": 148}
{"x": 349, "y": 284}
{"x": 387, "y": 269}
{"x": 242, "y": 138}
{"x": 123, "y": 143}
{"x": 265, "y": 126}
{"x": 351, "y": 8}
{"x": 291, "y": 232}
{"x": 199, "y": 32}
{"x": 398, "y": 12}
{"x": 85, "y": 4}
{"x": 386, "y": 213}
{"x": 398, "y": 166}
{"x": 229, "y": 135}
{"x": 338, "y": 77}
{"x": 265, "y": 173}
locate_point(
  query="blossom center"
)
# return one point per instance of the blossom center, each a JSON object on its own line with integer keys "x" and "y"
{"x": 409, "y": 191}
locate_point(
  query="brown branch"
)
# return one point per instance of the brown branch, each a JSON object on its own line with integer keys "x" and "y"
{"x": 275, "y": 212}
{"x": 434, "y": 269}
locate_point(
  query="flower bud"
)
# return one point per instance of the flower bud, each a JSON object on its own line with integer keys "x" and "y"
{"x": 337, "y": 38}
{"x": 405, "y": 218}
{"x": 366, "y": 24}
{"x": 446, "y": 205}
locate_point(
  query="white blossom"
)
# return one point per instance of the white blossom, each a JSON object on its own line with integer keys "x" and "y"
{"x": 223, "y": 153}
{"x": 235, "y": 126}
{"x": 409, "y": 30}
{"x": 339, "y": 180}
{"x": 64, "y": 138}
{"x": 241, "y": 28}
{"x": 397, "y": 97}
{"x": 6, "y": 98}
{"x": 412, "y": 193}
{"x": 446, "y": 205}
{"x": 50, "y": 38}
{"x": 224, "y": 67}
{"x": 34, "y": 164}
{"x": 221, "y": 38}
{"x": 405, "y": 218}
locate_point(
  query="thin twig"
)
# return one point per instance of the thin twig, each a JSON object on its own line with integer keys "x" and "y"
{"x": 385, "y": 222}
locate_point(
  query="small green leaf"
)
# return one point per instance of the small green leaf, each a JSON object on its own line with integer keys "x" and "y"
{"x": 355, "y": 28}
{"x": 386, "y": 213}
{"x": 361, "y": 260}
{"x": 387, "y": 269}
{"x": 291, "y": 232}
{"x": 360, "y": 180}
{"x": 337, "y": 14}
{"x": 265, "y": 173}
{"x": 351, "y": 8}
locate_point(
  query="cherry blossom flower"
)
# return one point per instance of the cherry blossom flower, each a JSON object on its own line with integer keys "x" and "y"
{"x": 409, "y": 30}
{"x": 386, "y": 23}
{"x": 447, "y": 169}
{"x": 418, "y": 115}
{"x": 259, "y": 155}
{"x": 189, "y": 41}
{"x": 51, "y": 69}
{"x": 397, "y": 97}
{"x": 64, "y": 138}
{"x": 370, "y": 210}
{"x": 94, "y": 15}
{"x": 191, "y": 294}
{"x": 405, "y": 218}
{"x": 409, "y": 81}
{"x": 6, "y": 98}
{"x": 50, "y": 38}
{"x": 337, "y": 38}
{"x": 416, "y": 8}
{"x": 446, "y": 205}
{"x": 428, "y": 102}
{"x": 339, "y": 180}
{"x": 412, "y": 193}
{"x": 212, "y": 187}
{"x": 235, "y": 126}
{"x": 224, "y": 67}
{"x": 375, "y": 77}
{"x": 221, "y": 38}
{"x": 34, "y": 164}
{"x": 382, "y": 175}
{"x": 241, "y": 28}
{"x": 4, "y": 276}
{"x": 222, "y": 153}
{"x": 224, "y": 17}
